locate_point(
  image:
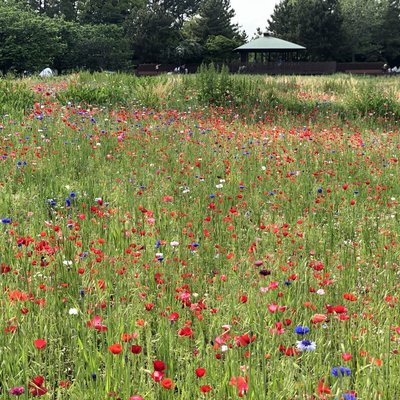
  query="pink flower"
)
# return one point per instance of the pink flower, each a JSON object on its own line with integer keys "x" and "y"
{"x": 17, "y": 391}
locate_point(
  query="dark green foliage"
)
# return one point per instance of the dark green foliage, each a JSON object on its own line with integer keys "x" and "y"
{"x": 315, "y": 24}
{"x": 27, "y": 41}
{"x": 341, "y": 30}
{"x": 390, "y": 33}
{"x": 153, "y": 35}
{"x": 362, "y": 25}
{"x": 213, "y": 29}
{"x": 104, "y": 11}
{"x": 93, "y": 47}
{"x": 116, "y": 34}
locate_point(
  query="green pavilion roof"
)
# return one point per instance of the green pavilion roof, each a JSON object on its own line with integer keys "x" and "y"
{"x": 269, "y": 43}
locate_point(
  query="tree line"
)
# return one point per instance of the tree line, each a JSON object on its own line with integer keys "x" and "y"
{"x": 114, "y": 34}
{"x": 341, "y": 30}
{"x": 69, "y": 35}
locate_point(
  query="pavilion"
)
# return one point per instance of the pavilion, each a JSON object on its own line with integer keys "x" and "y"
{"x": 268, "y": 48}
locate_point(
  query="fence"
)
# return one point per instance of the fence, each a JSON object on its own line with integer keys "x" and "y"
{"x": 278, "y": 68}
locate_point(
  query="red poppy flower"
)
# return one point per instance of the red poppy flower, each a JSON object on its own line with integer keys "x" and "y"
{"x": 205, "y": 389}
{"x": 346, "y": 356}
{"x": 241, "y": 385}
{"x": 336, "y": 309}
{"x": 115, "y": 348}
{"x": 185, "y": 331}
{"x": 200, "y": 372}
{"x": 159, "y": 365}
{"x": 243, "y": 299}
{"x": 167, "y": 383}
{"x": 96, "y": 323}
{"x": 322, "y": 388}
{"x": 40, "y": 343}
{"x": 173, "y": 316}
{"x": 244, "y": 340}
{"x": 157, "y": 376}
{"x": 126, "y": 337}
{"x": 350, "y": 297}
{"x": 36, "y": 386}
{"x": 318, "y": 318}
{"x": 136, "y": 349}
{"x": 37, "y": 381}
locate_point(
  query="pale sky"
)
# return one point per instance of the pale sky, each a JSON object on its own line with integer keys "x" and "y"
{"x": 251, "y": 14}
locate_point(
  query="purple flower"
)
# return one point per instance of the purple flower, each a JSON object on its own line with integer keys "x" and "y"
{"x": 301, "y": 330}
{"x": 341, "y": 371}
{"x": 17, "y": 391}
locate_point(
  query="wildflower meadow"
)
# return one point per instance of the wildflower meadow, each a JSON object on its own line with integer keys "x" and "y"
{"x": 199, "y": 237}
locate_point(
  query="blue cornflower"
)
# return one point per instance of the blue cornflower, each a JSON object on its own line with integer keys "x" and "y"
{"x": 52, "y": 202}
{"x": 158, "y": 244}
{"x": 306, "y": 345}
{"x": 94, "y": 376}
{"x": 6, "y": 220}
{"x": 340, "y": 371}
{"x": 72, "y": 195}
{"x": 320, "y": 190}
{"x": 301, "y": 330}
{"x": 67, "y": 202}
{"x": 212, "y": 195}
{"x": 82, "y": 293}
{"x": 349, "y": 396}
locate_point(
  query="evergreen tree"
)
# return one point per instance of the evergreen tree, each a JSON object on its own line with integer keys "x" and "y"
{"x": 390, "y": 33}
{"x": 315, "y": 24}
{"x": 103, "y": 11}
{"x": 362, "y": 24}
{"x": 215, "y": 19}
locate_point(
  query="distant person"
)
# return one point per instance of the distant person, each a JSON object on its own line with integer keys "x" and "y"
{"x": 46, "y": 73}
{"x": 385, "y": 68}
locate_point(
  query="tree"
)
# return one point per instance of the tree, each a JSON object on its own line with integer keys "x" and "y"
{"x": 362, "y": 25}
{"x": 155, "y": 30}
{"x": 315, "y": 24}
{"x": 153, "y": 35}
{"x": 104, "y": 11}
{"x": 214, "y": 31}
{"x": 215, "y": 19}
{"x": 27, "y": 41}
{"x": 219, "y": 49}
{"x": 390, "y": 33}
{"x": 93, "y": 47}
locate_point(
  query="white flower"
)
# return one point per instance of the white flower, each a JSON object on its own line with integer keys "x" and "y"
{"x": 306, "y": 345}
{"x": 174, "y": 243}
{"x": 321, "y": 292}
{"x": 219, "y": 186}
{"x": 73, "y": 311}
